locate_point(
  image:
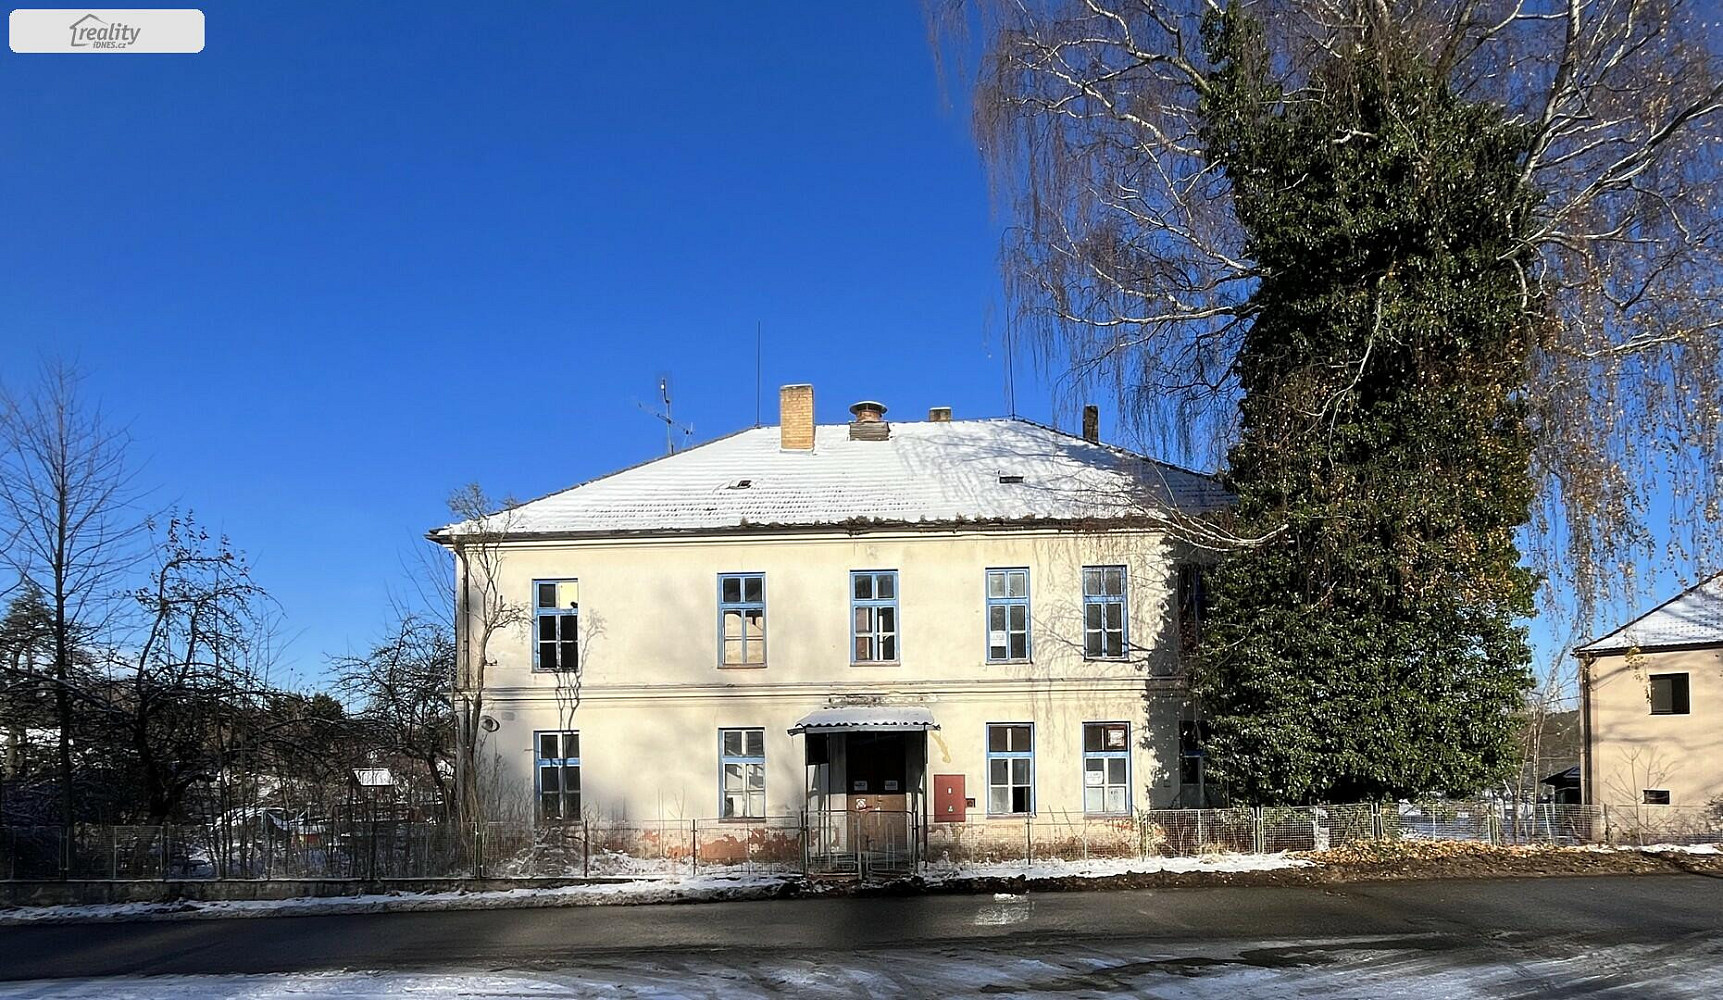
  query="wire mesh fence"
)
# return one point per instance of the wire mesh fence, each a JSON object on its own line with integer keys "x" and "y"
{"x": 874, "y": 843}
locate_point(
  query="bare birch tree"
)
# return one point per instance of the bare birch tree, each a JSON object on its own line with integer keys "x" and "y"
{"x": 482, "y": 609}
{"x": 1126, "y": 267}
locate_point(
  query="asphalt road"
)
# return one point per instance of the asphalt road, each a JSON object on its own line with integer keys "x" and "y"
{"x": 1449, "y": 923}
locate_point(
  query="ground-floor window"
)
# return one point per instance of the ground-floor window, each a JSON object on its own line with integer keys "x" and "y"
{"x": 742, "y": 773}
{"x": 1106, "y": 768}
{"x": 1010, "y": 768}
{"x": 557, "y": 756}
{"x": 1656, "y": 796}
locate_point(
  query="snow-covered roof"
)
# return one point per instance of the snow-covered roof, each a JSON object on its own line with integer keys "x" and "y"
{"x": 1692, "y": 618}
{"x": 946, "y": 472}
{"x": 373, "y": 777}
{"x": 865, "y": 718}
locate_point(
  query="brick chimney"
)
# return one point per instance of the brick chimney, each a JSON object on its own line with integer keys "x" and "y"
{"x": 939, "y": 414}
{"x": 796, "y": 417}
{"x": 1092, "y": 424}
{"x": 869, "y": 423}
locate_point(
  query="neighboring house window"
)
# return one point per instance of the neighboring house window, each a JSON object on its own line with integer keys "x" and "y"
{"x": 873, "y": 616}
{"x": 1010, "y": 769}
{"x": 1103, "y": 612}
{"x": 1192, "y": 598}
{"x": 557, "y": 756}
{"x": 1008, "y": 614}
{"x": 1657, "y": 796}
{"x": 1106, "y": 768}
{"x": 742, "y": 773}
{"x": 1669, "y": 694}
{"x": 556, "y": 613}
{"x": 742, "y": 619}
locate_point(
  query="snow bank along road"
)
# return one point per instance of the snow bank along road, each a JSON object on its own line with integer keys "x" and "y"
{"x": 1648, "y": 936}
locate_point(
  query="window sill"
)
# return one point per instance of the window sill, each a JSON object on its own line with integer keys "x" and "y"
{"x": 543, "y": 672}
{"x": 876, "y": 663}
{"x": 1007, "y": 663}
{"x": 1011, "y": 816}
{"x": 1106, "y": 659}
{"x": 741, "y": 820}
{"x": 1123, "y": 815}
{"x": 741, "y": 666}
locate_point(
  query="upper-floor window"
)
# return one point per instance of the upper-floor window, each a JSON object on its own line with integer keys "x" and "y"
{"x": 1191, "y": 593}
{"x": 1103, "y": 612}
{"x": 1669, "y": 695}
{"x": 1106, "y": 768}
{"x": 1655, "y": 796}
{"x": 742, "y": 619}
{"x": 742, "y": 773}
{"x": 1010, "y": 769}
{"x": 557, "y": 759}
{"x": 1008, "y": 614}
{"x": 873, "y": 616}
{"x": 556, "y": 619}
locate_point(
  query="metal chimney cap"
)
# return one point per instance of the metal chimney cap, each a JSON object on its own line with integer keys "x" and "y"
{"x": 868, "y": 411}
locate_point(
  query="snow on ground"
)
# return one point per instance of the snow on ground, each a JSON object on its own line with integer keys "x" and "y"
{"x": 937, "y": 872}
{"x": 688, "y": 888}
{"x": 1675, "y": 849}
{"x": 1333, "y": 969}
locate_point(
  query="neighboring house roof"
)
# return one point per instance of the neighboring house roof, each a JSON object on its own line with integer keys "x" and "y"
{"x": 373, "y": 777}
{"x": 1692, "y": 618}
{"x": 925, "y": 473}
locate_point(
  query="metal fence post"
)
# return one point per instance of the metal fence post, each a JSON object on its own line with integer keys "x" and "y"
{"x": 585, "y": 850}
{"x": 694, "y": 847}
{"x": 1258, "y": 835}
{"x": 1028, "y": 843}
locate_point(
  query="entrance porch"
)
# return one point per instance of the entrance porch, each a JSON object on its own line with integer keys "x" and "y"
{"x": 866, "y": 787}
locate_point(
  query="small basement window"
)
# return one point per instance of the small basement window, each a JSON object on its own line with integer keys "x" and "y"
{"x": 1656, "y": 796}
{"x": 1006, "y": 477}
{"x": 741, "y": 484}
{"x": 1669, "y": 695}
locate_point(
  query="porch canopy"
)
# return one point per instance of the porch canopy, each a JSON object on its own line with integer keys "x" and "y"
{"x": 866, "y": 719}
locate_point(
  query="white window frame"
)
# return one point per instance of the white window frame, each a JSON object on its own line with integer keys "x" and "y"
{"x": 563, "y": 763}
{"x": 1011, "y": 757}
{"x": 750, "y": 784}
{"x": 1106, "y": 759}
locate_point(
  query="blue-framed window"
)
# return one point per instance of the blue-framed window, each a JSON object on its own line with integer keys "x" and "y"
{"x": 1106, "y": 768}
{"x": 1010, "y": 768}
{"x": 873, "y": 616}
{"x": 1103, "y": 612}
{"x": 556, "y": 759}
{"x": 1008, "y": 614}
{"x": 742, "y": 619}
{"x": 556, "y": 625}
{"x": 742, "y": 773}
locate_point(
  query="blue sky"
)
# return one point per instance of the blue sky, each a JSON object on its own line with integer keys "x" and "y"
{"x": 351, "y": 256}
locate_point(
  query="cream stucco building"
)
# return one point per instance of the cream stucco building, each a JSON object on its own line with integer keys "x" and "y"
{"x": 1652, "y": 706}
{"x": 955, "y": 619}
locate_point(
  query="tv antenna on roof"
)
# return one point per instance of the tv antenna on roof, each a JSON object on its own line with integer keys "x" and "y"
{"x": 670, "y": 424}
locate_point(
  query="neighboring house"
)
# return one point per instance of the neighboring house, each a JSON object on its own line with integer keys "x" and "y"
{"x": 1652, "y": 705}
{"x": 951, "y": 618}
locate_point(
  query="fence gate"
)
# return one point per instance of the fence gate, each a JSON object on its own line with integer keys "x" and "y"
{"x": 863, "y": 843}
